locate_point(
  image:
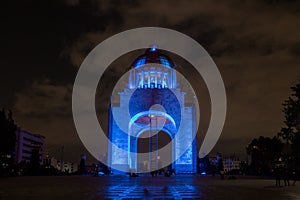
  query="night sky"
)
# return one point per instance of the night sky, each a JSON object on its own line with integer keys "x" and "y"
{"x": 255, "y": 44}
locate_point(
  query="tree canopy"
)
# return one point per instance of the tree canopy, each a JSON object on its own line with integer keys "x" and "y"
{"x": 291, "y": 110}
{"x": 7, "y": 133}
{"x": 264, "y": 152}
{"x": 290, "y": 133}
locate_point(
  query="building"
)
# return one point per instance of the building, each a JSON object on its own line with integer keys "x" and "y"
{"x": 229, "y": 162}
{"x": 157, "y": 109}
{"x": 26, "y": 143}
{"x": 66, "y": 167}
{"x": 50, "y": 161}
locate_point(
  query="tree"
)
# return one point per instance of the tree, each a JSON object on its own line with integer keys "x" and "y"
{"x": 291, "y": 110}
{"x": 7, "y": 133}
{"x": 290, "y": 133}
{"x": 264, "y": 152}
{"x": 34, "y": 166}
{"x": 296, "y": 152}
{"x": 7, "y": 142}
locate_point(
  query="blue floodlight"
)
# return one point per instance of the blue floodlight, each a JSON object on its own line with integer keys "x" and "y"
{"x": 153, "y": 48}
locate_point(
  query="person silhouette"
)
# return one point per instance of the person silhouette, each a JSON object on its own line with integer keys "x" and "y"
{"x": 286, "y": 176}
{"x": 294, "y": 176}
{"x": 277, "y": 173}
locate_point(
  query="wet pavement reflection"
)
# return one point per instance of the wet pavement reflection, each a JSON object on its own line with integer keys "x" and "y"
{"x": 143, "y": 187}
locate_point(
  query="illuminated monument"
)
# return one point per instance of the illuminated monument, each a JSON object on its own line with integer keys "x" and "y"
{"x": 157, "y": 108}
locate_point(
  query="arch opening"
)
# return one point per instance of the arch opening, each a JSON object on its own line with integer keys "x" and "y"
{"x": 146, "y": 163}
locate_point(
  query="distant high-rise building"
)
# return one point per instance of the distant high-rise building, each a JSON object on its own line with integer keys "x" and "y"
{"x": 27, "y": 142}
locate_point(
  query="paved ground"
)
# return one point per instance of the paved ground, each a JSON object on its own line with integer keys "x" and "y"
{"x": 121, "y": 187}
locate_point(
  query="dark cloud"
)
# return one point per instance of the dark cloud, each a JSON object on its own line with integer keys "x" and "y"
{"x": 43, "y": 100}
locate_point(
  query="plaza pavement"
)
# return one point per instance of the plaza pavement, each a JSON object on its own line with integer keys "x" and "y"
{"x": 145, "y": 187}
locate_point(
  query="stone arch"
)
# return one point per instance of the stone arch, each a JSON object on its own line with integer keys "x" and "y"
{"x": 133, "y": 137}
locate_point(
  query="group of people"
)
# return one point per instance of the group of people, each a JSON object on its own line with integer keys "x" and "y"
{"x": 285, "y": 174}
{"x": 168, "y": 172}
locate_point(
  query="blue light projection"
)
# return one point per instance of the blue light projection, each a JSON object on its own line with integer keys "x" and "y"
{"x": 153, "y": 49}
{"x": 140, "y": 62}
{"x": 151, "y": 86}
{"x": 141, "y": 101}
{"x": 164, "y": 61}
